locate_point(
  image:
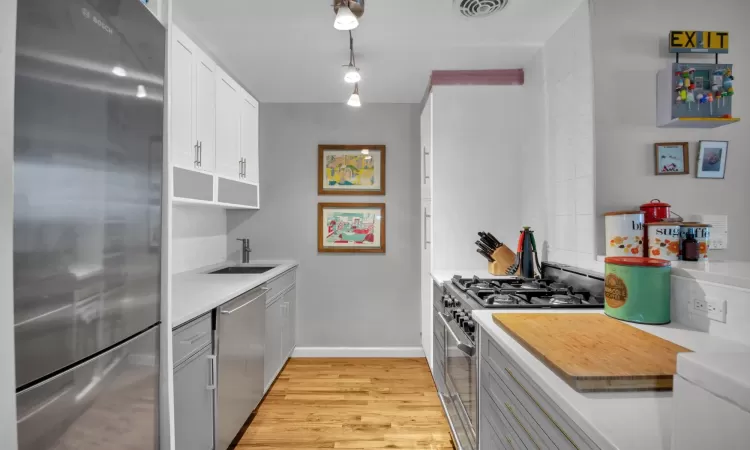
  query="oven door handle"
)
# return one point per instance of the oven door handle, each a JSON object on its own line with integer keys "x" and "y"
{"x": 449, "y": 323}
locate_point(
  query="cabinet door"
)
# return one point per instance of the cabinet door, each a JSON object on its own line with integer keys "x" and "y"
{"x": 274, "y": 327}
{"x": 227, "y": 126}
{"x": 194, "y": 403}
{"x": 249, "y": 138}
{"x": 290, "y": 324}
{"x": 183, "y": 142}
{"x": 425, "y": 280}
{"x": 205, "y": 104}
{"x": 426, "y": 149}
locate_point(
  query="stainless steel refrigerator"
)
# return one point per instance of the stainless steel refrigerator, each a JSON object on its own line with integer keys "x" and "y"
{"x": 87, "y": 224}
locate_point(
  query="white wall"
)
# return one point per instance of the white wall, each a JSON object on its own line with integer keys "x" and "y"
{"x": 535, "y": 159}
{"x": 7, "y": 345}
{"x": 344, "y": 300}
{"x": 570, "y": 137}
{"x": 479, "y": 135}
{"x": 630, "y": 47}
{"x": 199, "y": 237}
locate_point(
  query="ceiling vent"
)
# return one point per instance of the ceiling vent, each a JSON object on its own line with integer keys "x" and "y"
{"x": 479, "y": 8}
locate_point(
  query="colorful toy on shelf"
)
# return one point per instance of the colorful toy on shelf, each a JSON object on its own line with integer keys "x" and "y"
{"x": 711, "y": 103}
{"x": 690, "y": 99}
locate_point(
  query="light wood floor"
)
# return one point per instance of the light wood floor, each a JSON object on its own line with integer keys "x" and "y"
{"x": 350, "y": 403}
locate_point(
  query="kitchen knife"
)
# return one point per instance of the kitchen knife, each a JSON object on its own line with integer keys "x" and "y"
{"x": 484, "y": 247}
{"x": 493, "y": 239}
{"x": 487, "y": 241}
{"x": 488, "y": 257}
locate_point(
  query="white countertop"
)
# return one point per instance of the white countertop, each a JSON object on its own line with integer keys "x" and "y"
{"x": 196, "y": 292}
{"x": 732, "y": 273}
{"x": 726, "y": 375}
{"x": 622, "y": 421}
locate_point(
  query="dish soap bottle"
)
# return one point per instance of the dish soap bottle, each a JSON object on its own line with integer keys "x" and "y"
{"x": 690, "y": 248}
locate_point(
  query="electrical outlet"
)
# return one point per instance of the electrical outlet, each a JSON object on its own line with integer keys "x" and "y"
{"x": 716, "y": 309}
{"x": 712, "y": 308}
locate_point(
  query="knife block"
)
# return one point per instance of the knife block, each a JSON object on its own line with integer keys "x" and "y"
{"x": 504, "y": 258}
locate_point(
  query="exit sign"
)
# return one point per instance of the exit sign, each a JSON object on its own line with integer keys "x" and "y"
{"x": 698, "y": 42}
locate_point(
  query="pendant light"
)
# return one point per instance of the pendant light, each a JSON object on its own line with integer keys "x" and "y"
{"x": 352, "y": 72}
{"x": 141, "y": 91}
{"x": 354, "y": 100}
{"x": 345, "y": 18}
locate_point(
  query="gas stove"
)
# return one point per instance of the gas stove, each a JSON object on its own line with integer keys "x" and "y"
{"x": 515, "y": 292}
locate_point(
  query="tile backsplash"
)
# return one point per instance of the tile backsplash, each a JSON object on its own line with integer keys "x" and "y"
{"x": 686, "y": 290}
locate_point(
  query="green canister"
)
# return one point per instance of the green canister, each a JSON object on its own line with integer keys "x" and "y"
{"x": 638, "y": 289}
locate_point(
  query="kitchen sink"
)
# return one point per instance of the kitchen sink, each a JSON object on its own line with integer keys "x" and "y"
{"x": 235, "y": 270}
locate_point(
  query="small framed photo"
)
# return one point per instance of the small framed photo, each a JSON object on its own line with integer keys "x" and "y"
{"x": 672, "y": 158}
{"x": 712, "y": 159}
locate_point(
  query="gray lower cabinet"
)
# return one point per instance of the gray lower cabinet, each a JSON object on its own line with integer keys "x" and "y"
{"x": 514, "y": 412}
{"x": 289, "y": 316}
{"x": 274, "y": 326}
{"x": 281, "y": 327}
{"x": 194, "y": 388}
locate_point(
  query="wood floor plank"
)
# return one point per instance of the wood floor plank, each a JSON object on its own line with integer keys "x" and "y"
{"x": 350, "y": 403}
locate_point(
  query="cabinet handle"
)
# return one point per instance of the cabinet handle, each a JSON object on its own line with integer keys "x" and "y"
{"x": 244, "y": 167}
{"x": 510, "y": 409}
{"x": 542, "y": 409}
{"x": 196, "y": 154}
{"x": 426, "y": 216}
{"x": 194, "y": 339}
{"x": 200, "y": 154}
{"x": 224, "y": 311}
{"x": 240, "y": 168}
{"x": 212, "y": 365}
{"x": 424, "y": 164}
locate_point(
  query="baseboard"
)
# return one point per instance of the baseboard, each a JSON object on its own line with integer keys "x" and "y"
{"x": 358, "y": 352}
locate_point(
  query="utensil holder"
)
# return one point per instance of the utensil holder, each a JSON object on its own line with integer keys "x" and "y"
{"x": 504, "y": 258}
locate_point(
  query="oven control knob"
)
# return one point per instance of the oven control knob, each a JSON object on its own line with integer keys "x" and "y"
{"x": 469, "y": 326}
{"x": 455, "y": 313}
{"x": 447, "y": 302}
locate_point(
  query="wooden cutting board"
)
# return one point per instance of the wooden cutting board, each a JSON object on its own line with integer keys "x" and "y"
{"x": 595, "y": 353}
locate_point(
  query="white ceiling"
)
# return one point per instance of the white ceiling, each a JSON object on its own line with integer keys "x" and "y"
{"x": 288, "y": 50}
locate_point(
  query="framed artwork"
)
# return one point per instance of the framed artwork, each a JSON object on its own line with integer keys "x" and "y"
{"x": 672, "y": 158}
{"x": 712, "y": 159}
{"x": 351, "y": 227}
{"x": 351, "y": 170}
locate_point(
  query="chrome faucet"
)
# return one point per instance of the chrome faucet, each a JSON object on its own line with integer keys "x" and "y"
{"x": 245, "y": 250}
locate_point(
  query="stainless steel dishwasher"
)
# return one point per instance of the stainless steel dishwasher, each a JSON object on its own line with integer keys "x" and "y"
{"x": 241, "y": 348}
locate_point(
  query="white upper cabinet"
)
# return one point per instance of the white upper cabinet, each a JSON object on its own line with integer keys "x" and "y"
{"x": 183, "y": 141}
{"x": 205, "y": 111}
{"x": 249, "y": 138}
{"x": 213, "y": 131}
{"x": 227, "y": 126}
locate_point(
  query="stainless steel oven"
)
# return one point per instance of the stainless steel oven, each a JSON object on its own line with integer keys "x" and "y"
{"x": 461, "y": 379}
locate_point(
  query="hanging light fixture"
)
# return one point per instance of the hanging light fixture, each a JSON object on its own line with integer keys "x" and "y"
{"x": 347, "y": 13}
{"x": 352, "y": 72}
{"x": 354, "y": 99}
{"x": 141, "y": 91}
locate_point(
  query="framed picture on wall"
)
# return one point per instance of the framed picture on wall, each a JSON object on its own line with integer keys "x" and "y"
{"x": 351, "y": 170}
{"x": 672, "y": 158}
{"x": 712, "y": 159}
{"x": 351, "y": 227}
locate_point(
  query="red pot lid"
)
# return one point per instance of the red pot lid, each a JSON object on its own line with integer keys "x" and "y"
{"x": 655, "y": 203}
{"x": 636, "y": 261}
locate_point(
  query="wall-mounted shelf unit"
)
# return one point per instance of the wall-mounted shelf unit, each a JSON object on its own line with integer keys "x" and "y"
{"x": 688, "y": 122}
{"x": 679, "y": 96}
